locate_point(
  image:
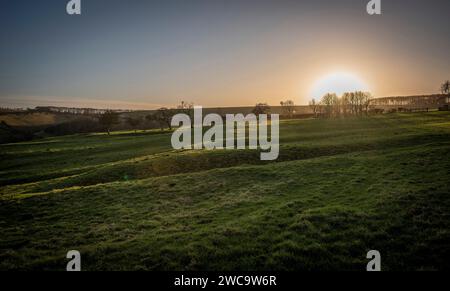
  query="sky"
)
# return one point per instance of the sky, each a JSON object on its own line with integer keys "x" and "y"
{"x": 142, "y": 54}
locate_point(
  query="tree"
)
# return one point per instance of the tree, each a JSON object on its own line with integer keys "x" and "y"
{"x": 108, "y": 119}
{"x": 162, "y": 116}
{"x": 367, "y": 97}
{"x": 345, "y": 104}
{"x": 352, "y": 103}
{"x": 360, "y": 97}
{"x": 187, "y": 108}
{"x": 133, "y": 122}
{"x": 445, "y": 88}
{"x": 314, "y": 106}
{"x": 328, "y": 101}
{"x": 261, "y": 108}
{"x": 335, "y": 105}
{"x": 288, "y": 107}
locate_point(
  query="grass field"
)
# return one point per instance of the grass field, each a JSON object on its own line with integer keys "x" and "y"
{"x": 129, "y": 202}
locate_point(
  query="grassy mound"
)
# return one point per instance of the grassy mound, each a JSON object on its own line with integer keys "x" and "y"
{"x": 128, "y": 201}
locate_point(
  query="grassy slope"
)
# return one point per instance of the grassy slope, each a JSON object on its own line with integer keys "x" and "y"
{"x": 128, "y": 201}
{"x": 37, "y": 119}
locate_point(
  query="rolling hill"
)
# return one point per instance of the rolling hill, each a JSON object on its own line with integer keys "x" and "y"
{"x": 129, "y": 202}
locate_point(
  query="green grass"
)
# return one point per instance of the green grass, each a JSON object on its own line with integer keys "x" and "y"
{"x": 129, "y": 202}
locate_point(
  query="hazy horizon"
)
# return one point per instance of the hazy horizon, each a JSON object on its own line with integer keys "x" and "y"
{"x": 150, "y": 54}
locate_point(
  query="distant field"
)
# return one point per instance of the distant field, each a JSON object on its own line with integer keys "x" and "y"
{"x": 129, "y": 202}
{"x": 35, "y": 119}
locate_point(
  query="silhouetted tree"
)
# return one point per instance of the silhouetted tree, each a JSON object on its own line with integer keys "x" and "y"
{"x": 367, "y": 97}
{"x": 185, "y": 106}
{"x": 359, "y": 96}
{"x": 353, "y": 103}
{"x": 188, "y": 109}
{"x": 288, "y": 107}
{"x": 346, "y": 104}
{"x": 261, "y": 108}
{"x": 108, "y": 119}
{"x": 445, "y": 88}
{"x": 335, "y": 105}
{"x": 328, "y": 100}
{"x": 314, "y": 106}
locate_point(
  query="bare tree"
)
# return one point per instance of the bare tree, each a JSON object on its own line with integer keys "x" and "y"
{"x": 328, "y": 101}
{"x": 186, "y": 108}
{"x": 336, "y": 105}
{"x": 445, "y": 88}
{"x": 288, "y": 107}
{"x": 314, "y": 106}
{"x": 108, "y": 119}
{"x": 367, "y": 97}
{"x": 345, "y": 104}
{"x": 353, "y": 102}
{"x": 362, "y": 100}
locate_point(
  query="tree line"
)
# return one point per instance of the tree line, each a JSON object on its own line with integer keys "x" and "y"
{"x": 161, "y": 117}
{"x": 349, "y": 104}
{"x": 329, "y": 106}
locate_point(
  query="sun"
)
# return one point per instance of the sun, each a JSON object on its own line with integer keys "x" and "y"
{"x": 339, "y": 83}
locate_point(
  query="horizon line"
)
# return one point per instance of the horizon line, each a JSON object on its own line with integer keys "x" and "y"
{"x": 156, "y": 107}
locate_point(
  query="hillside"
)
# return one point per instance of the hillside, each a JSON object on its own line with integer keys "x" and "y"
{"x": 36, "y": 119}
{"x": 129, "y": 202}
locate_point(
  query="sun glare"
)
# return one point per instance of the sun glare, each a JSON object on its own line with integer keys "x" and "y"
{"x": 339, "y": 83}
